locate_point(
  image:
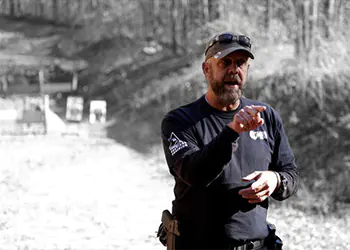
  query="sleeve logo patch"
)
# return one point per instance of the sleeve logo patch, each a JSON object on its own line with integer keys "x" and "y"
{"x": 176, "y": 144}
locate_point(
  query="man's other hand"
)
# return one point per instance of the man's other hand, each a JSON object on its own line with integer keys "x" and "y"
{"x": 264, "y": 185}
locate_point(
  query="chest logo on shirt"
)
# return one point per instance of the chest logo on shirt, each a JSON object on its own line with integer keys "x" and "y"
{"x": 258, "y": 135}
{"x": 176, "y": 144}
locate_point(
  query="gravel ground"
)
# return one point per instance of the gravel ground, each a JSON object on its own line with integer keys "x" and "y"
{"x": 79, "y": 193}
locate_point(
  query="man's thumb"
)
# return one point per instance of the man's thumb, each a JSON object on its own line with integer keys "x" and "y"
{"x": 251, "y": 176}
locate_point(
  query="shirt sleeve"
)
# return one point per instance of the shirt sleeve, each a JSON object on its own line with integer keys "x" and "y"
{"x": 283, "y": 162}
{"x": 194, "y": 164}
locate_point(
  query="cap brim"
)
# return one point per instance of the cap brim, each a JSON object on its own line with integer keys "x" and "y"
{"x": 225, "y": 52}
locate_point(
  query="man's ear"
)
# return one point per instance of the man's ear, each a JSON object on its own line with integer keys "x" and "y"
{"x": 205, "y": 68}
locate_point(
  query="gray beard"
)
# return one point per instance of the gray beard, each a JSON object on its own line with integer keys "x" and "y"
{"x": 225, "y": 96}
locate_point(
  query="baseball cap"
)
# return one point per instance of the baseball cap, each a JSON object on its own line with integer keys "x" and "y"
{"x": 225, "y": 43}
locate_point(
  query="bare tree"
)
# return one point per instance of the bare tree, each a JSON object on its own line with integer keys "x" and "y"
{"x": 268, "y": 15}
{"x": 313, "y": 30}
{"x": 12, "y": 8}
{"x": 185, "y": 24}
{"x": 55, "y": 11}
{"x": 148, "y": 16}
{"x": 205, "y": 10}
{"x": 329, "y": 13}
{"x": 156, "y": 19}
{"x": 41, "y": 9}
{"x": 68, "y": 11}
{"x": 174, "y": 14}
{"x": 340, "y": 14}
{"x": 18, "y": 8}
{"x": 92, "y": 5}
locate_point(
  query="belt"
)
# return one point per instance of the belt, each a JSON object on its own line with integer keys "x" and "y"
{"x": 250, "y": 245}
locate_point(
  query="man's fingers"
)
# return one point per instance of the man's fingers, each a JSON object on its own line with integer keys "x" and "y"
{"x": 252, "y": 176}
{"x": 257, "y": 195}
{"x": 252, "y": 190}
{"x": 254, "y": 110}
{"x": 250, "y": 193}
{"x": 240, "y": 119}
{"x": 257, "y": 200}
{"x": 251, "y": 111}
{"x": 259, "y": 108}
{"x": 248, "y": 119}
{"x": 261, "y": 122}
{"x": 246, "y": 116}
{"x": 257, "y": 185}
{"x": 251, "y": 115}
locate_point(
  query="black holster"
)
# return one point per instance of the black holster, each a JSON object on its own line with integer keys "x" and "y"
{"x": 272, "y": 241}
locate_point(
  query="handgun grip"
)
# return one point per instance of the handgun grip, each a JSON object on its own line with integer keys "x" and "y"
{"x": 171, "y": 225}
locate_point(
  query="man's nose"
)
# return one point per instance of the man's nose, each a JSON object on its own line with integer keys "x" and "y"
{"x": 233, "y": 68}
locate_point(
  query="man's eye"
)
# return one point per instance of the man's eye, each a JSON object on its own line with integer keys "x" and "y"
{"x": 240, "y": 63}
{"x": 226, "y": 62}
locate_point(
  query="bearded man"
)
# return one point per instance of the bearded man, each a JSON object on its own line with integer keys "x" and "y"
{"x": 228, "y": 156}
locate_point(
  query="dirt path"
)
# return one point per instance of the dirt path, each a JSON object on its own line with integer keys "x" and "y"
{"x": 71, "y": 193}
{"x": 78, "y": 193}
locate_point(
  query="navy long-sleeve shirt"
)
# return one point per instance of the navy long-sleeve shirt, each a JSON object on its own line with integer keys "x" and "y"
{"x": 208, "y": 161}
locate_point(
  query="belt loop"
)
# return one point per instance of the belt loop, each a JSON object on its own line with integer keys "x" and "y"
{"x": 249, "y": 246}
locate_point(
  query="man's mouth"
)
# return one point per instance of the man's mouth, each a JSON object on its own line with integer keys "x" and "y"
{"x": 232, "y": 83}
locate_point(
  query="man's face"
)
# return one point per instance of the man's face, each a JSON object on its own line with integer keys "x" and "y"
{"x": 227, "y": 76}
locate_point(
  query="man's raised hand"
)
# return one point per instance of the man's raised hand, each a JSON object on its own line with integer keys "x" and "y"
{"x": 248, "y": 118}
